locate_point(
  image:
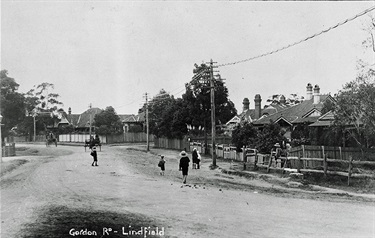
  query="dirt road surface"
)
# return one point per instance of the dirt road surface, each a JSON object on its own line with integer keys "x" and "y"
{"x": 57, "y": 193}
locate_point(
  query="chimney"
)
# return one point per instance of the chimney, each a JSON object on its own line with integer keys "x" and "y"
{"x": 246, "y": 104}
{"x": 282, "y": 99}
{"x": 309, "y": 91}
{"x": 258, "y": 107}
{"x": 316, "y": 94}
{"x": 69, "y": 111}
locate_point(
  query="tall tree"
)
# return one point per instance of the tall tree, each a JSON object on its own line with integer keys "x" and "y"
{"x": 198, "y": 99}
{"x": 245, "y": 134}
{"x": 355, "y": 109}
{"x": 12, "y": 103}
{"x": 44, "y": 103}
{"x": 167, "y": 116}
{"x": 108, "y": 122}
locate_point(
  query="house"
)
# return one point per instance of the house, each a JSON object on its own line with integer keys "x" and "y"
{"x": 81, "y": 122}
{"x": 304, "y": 113}
{"x": 252, "y": 115}
{"x": 133, "y": 122}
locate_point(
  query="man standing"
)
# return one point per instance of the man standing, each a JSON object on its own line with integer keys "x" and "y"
{"x": 184, "y": 165}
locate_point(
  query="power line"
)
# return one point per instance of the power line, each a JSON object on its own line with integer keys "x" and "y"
{"x": 303, "y": 40}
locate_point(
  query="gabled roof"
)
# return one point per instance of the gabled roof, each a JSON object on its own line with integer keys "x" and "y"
{"x": 247, "y": 115}
{"x": 83, "y": 120}
{"x": 129, "y": 118}
{"x": 297, "y": 113}
{"x": 235, "y": 119}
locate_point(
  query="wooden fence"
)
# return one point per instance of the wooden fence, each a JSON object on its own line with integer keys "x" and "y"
{"x": 15, "y": 139}
{"x": 128, "y": 137}
{"x": 323, "y": 165}
{"x": 174, "y": 144}
{"x": 341, "y": 153}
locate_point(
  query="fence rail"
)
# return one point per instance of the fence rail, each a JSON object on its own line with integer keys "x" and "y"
{"x": 128, "y": 137}
{"x": 341, "y": 153}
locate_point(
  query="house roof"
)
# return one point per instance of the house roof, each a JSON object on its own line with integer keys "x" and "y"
{"x": 83, "y": 120}
{"x": 249, "y": 114}
{"x": 298, "y": 113}
{"x": 129, "y": 118}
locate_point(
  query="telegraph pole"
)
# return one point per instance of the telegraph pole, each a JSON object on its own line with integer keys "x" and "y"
{"x": 90, "y": 106}
{"x": 147, "y": 127}
{"x": 213, "y": 124}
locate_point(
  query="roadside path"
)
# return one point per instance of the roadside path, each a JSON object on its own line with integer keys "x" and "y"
{"x": 48, "y": 196}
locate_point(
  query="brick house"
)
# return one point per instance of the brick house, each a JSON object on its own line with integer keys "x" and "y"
{"x": 302, "y": 114}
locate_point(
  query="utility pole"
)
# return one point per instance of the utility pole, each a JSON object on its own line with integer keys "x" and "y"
{"x": 34, "y": 115}
{"x": 213, "y": 124}
{"x": 90, "y": 106}
{"x": 147, "y": 126}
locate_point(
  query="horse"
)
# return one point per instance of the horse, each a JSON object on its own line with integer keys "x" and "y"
{"x": 93, "y": 142}
{"x": 50, "y": 139}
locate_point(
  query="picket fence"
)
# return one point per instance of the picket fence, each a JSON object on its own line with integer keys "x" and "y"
{"x": 128, "y": 137}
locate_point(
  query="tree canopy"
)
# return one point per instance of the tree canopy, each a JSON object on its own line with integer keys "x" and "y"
{"x": 108, "y": 122}
{"x": 12, "y": 103}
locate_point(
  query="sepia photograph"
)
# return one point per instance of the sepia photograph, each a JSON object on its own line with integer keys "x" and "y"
{"x": 187, "y": 119}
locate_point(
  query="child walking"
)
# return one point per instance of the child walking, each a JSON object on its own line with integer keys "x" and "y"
{"x": 162, "y": 165}
{"x": 95, "y": 156}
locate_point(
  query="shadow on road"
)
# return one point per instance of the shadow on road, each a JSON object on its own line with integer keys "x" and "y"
{"x": 61, "y": 221}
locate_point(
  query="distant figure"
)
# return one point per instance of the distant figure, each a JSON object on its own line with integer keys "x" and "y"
{"x": 199, "y": 159}
{"x": 97, "y": 140}
{"x": 184, "y": 165}
{"x": 196, "y": 158}
{"x": 94, "y": 156}
{"x": 276, "y": 152}
{"x": 91, "y": 142}
{"x": 161, "y": 164}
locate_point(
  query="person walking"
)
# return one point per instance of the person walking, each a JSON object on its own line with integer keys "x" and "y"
{"x": 161, "y": 164}
{"x": 184, "y": 165}
{"x": 198, "y": 159}
{"x": 194, "y": 156}
{"x": 94, "y": 156}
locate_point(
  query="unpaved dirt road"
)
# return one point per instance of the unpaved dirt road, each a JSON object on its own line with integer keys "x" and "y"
{"x": 59, "y": 194}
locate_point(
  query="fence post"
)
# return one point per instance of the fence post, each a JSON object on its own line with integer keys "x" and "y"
{"x": 256, "y": 161}
{"x": 244, "y": 158}
{"x": 350, "y": 168}
{"x": 269, "y": 163}
{"x": 303, "y": 151}
{"x": 299, "y": 161}
{"x": 325, "y": 166}
{"x": 340, "y": 153}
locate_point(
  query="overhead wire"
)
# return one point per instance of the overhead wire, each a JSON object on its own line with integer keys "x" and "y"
{"x": 303, "y": 40}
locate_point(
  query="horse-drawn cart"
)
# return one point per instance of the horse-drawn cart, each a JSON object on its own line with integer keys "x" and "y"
{"x": 93, "y": 143}
{"x": 51, "y": 139}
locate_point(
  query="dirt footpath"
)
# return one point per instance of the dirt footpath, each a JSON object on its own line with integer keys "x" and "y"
{"x": 59, "y": 194}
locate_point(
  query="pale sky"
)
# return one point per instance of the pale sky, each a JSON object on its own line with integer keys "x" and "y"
{"x": 110, "y": 53}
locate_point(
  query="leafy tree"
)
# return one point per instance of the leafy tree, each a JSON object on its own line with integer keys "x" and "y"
{"x": 167, "y": 116}
{"x": 108, "y": 122}
{"x": 244, "y": 134}
{"x": 355, "y": 109}
{"x": 41, "y": 101}
{"x": 12, "y": 103}
{"x": 158, "y": 119}
{"x": 292, "y": 99}
{"x": 268, "y": 136}
{"x": 198, "y": 99}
